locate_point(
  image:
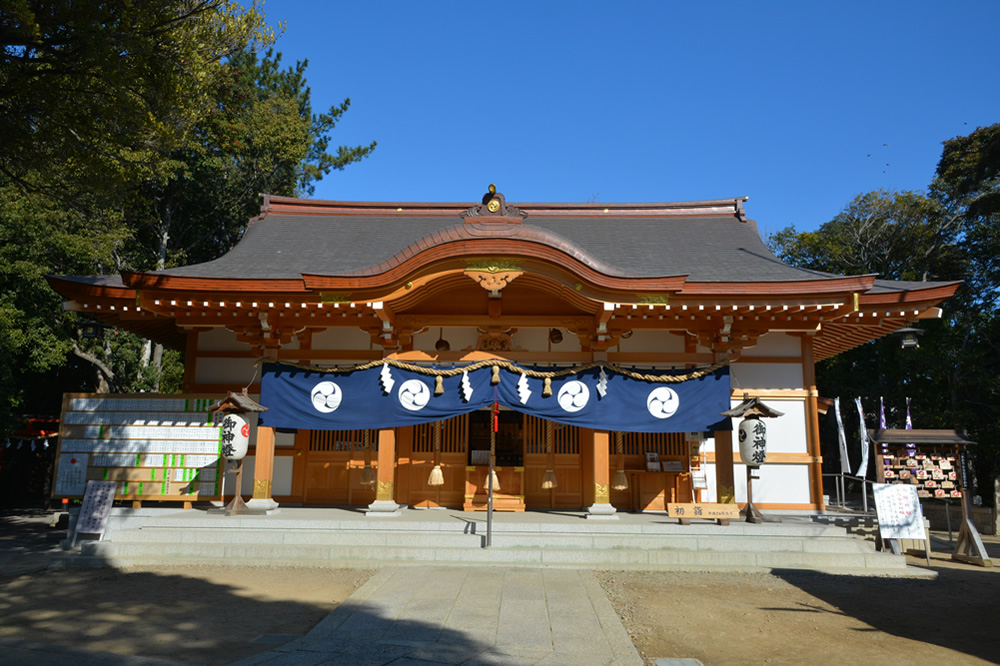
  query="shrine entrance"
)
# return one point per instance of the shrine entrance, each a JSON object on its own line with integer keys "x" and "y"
{"x": 335, "y": 460}
{"x": 564, "y": 460}
{"x": 419, "y": 449}
{"x": 527, "y": 447}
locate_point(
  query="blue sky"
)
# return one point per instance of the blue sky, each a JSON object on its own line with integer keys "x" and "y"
{"x": 798, "y": 105}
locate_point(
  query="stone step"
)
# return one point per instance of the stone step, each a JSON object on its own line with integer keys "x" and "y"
{"x": 598, "y": 541}
{"x": 339, "y": 538}
{"x": 124, "y": 553}
{"x": 477, "y": 525}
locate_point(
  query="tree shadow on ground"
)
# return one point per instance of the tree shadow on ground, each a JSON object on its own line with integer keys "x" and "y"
{"x": 186, "y": 613}
{"x": 955, "y": 611}
{"x": 189, "y": 619}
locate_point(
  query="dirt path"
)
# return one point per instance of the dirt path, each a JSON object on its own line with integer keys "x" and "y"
{"x": 801, "y": 617}
{"x": 215, "y": 615}
{"x": 196, "y": 614}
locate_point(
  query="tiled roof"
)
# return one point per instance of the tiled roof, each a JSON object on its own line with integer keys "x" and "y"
{"x": 708, "y": 242}
{"x": 705, "y": 248}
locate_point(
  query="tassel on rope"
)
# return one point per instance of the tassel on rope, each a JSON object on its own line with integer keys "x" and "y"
{"x": 494, "y": 480}
{"x": 495, "y": 377}
{"x": 549, "y": 478}
{"x": 439, "y": 385}
{"x": 547, "y": 388}
{"x": 621, "y": 481}
{"x": 368, "y": 473}
{"x": 436, "y": 477}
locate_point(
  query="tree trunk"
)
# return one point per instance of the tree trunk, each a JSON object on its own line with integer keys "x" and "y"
{"x": 154, "y": 352}
{"x": 104, "y": 374}
{"x": 158, "y": 365}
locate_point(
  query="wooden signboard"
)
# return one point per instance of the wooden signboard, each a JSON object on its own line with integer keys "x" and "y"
{"x": 96, "y": 508}
{"x": 687, "y": 512}
{"x": 898, "y": 510}
{"x": 154, "y": 446}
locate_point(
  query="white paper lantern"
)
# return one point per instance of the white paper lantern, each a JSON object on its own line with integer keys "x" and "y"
{"x": 235, "y": 437}
{"x": 753, "y": 442}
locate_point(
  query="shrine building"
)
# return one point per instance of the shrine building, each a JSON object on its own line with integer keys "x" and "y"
{"x": 589, "y": 349}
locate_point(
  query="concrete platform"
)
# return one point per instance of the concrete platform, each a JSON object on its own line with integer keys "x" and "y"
{"x": 333, "y": 537}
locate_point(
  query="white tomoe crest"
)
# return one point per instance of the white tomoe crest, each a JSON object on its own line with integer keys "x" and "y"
{"x": 414, "y": 395}
{"x": 573, "y": 396}
{"x": 663, "y": 402}
{"x": 326, "y": 397}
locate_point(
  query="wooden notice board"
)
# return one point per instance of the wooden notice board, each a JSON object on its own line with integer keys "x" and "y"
{"x": 93, "y": 517}
{"x": 154, "y": 446}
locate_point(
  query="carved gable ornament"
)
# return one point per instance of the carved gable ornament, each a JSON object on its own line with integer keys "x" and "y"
{"x": 494, "y": 209}
{"x": 493, "y": 274}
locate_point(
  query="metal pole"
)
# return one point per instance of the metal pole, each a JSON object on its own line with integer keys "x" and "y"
{"x": 489, "y": 506}
{"x": 864, "y": 494}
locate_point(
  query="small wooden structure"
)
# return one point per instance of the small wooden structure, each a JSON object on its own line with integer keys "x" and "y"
{"x": 753, "y": 408}
{"x": 238, "y": 403}
{"x": 969, "y": 547}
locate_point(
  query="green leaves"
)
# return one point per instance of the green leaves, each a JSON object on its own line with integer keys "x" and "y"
{"x": 91, "y": 93}
{"x": 133, "y": 135}
{"x": 898, "y": 235}
{"x": 952, "y": 233}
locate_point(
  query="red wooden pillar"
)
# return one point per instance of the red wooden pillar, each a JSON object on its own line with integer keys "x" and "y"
{"x": 263, "y": 471}
{"x": 385, "y": 504}
{"x": 601, "y": 508}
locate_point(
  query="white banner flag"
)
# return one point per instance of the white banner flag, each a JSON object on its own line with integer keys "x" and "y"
{"x": 863, "y": 431}
{"x": 845, "y": 462}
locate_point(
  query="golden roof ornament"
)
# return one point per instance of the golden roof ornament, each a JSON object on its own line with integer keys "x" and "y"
{"x": 494, "y": 206}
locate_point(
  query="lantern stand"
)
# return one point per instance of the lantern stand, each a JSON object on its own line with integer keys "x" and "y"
{"x": 233, "y": 407}
{"x": 753, "y": 446}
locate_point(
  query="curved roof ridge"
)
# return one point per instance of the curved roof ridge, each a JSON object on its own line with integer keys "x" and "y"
{"x": 496, "y": 230}
{"x": 293, "y": 206}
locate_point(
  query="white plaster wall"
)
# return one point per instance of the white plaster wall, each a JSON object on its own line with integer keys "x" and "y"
{"x": 281, "y": 483}
{"x": 749, "y": 376}
{"x": 252, "y": 419}
{"x": 775, "y": 344}
{"x": 458, "y": 338}
{"x": 219, "y": 339}
{"x": 786, "y": 433}
{"x": 236, "y": 371}
{"x": 652, "y": 341}
{"x": 537, "y": 340}
{"x": 778, "y": 484}
{"x": 285, "y": 439}
{"x": 781, "y": 483}
{"x": 341, "y": 338}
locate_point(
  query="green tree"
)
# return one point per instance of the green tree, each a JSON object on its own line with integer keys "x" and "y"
{"x": 967, "y": 184}
{"x": 260, "y": 135}
{"x": 39, "y": 236}
{"x": 133, "y": 135}
{"x": 952, "y": 377}
{"x": 898, "y": 235}
{"x": 92, "y": 92}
